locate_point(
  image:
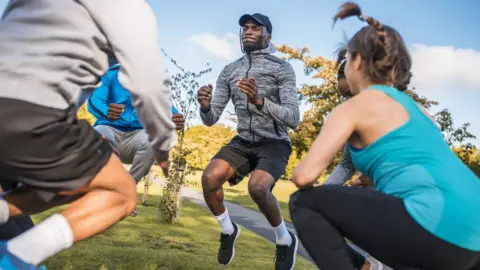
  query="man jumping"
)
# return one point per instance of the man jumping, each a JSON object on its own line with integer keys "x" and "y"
{"x": 263, "y": 90}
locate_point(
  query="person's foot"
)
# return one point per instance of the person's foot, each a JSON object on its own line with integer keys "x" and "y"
{"x": 9, "y": 261}
{"x": 226, "y": 253}
{"x": 286, "y": 255}
{"x": 134, "y": 213}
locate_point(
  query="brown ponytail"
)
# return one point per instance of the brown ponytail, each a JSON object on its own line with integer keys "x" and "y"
{"x": 381, "y": 47}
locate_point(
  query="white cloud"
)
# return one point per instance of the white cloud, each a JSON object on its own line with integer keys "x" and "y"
{"x": 223, "y": 47}
{"x": 437, "y": 67}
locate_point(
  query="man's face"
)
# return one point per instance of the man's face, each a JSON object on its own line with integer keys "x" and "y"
{"x": 254, "y": 37}
{"x": 343, "y": 87}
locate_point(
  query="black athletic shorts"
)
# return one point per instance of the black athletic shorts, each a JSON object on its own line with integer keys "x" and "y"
{"x": 244, "y": 156}
{"x": 48, "y": 149}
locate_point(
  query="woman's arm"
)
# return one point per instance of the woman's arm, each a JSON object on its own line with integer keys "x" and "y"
{"x": 334, "y": 134}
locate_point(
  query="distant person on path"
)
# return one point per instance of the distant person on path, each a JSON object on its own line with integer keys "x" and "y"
{"x": 49, "y": 50}
{"x": 422, "y": 212}
{"x": 117, "y": 120}
{"x": 262, "y": 88}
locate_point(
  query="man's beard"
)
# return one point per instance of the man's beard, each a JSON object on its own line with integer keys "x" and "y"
{"x": 250, "y": 47}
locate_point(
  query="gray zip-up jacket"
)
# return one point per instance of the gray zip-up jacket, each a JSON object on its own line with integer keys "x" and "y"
{"x": 275, "y": 81}
{"x": 51, "y": 49}
{"x": 343, "y": 171}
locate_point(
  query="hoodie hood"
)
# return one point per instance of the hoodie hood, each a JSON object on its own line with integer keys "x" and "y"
{"x": 270, "y": 49}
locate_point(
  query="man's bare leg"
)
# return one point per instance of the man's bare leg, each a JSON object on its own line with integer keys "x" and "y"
{"x": 107, "y": 199}
{"x": 217, "y": 173}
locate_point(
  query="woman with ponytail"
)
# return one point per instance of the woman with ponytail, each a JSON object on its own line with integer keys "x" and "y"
{"x": 422, "y": 212}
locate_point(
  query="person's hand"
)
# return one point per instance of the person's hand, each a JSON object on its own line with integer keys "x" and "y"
{"x": 164, "y": 166}
{"x": 179, "y": 121}
{"x": 115, "y": 110}
{"x": 204, "y": 97}
{"x": 362, "y": 181}
{"x": 249, "y": 87}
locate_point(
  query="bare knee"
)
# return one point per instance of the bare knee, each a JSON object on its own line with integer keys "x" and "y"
{"x": 115, "y": 178}
{"x": 259, "y": 192}
{"x": 217, "y": 172}
{"x": 211, "y": 180}
{"x": 130, "y": 197}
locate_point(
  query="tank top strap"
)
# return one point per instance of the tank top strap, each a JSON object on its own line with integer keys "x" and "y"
{"x": 406, "y": 101}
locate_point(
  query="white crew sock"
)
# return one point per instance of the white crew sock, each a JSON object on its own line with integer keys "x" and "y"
{"x": 42, "y": 241}
{"x": 225, "y": 223}
{"x": 4, "y": 213}
{"x": 282, "y": 236}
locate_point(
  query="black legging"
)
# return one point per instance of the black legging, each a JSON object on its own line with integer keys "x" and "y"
{"x": 378, "y": 223}
{"x": 15, "y": 225}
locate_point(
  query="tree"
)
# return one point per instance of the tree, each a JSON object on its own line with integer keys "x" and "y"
{"x": 205, "y": 142}
{"x": 324, "y": 97}
{"x": 184, "y": 87}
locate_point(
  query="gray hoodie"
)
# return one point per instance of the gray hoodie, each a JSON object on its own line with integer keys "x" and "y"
{"x": 51, "y": 49}
{"x": 276, "y": 82}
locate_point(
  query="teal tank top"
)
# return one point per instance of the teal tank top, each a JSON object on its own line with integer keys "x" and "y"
{"x": 413, "y": 162}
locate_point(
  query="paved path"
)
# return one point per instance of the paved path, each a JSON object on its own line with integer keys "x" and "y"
{"x": 248, "y": 218}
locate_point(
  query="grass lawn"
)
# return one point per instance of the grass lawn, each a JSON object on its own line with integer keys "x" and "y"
{"x": 142, "y": 243}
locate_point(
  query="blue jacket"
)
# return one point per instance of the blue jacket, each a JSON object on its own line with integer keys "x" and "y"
{"x": 111, "y": 91}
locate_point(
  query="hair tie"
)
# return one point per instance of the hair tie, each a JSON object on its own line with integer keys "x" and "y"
{"x": 363, "y": 17}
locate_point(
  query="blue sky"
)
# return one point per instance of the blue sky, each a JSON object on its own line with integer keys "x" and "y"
{"x": 442, "y": 37}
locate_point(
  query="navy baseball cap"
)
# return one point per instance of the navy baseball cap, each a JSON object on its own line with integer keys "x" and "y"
{"x": 259, "y": 19}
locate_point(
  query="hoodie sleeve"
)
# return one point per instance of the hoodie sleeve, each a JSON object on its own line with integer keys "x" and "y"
{"x": 221, "y": 96}
{"x": 287, "y": 112}
{"x": 131, "y": 29}
{"x": 344, "y": 171}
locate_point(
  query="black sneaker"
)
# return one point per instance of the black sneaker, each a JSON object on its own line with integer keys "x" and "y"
{"x": 227, "y": 246}
{"x": 134, "y": 213}
{"x": 286, "y": 255}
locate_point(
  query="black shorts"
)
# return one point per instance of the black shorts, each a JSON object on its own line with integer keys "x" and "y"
{"x": 48, "y": 149}
{"x": 244, "y": 157}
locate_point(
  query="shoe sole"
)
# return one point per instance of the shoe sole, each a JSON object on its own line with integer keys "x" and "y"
{"x": 233, "y": 252}
{"x": 295, "y": 253}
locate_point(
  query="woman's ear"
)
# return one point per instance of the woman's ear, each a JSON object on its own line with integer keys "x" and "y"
{"x": 357, "y": 62}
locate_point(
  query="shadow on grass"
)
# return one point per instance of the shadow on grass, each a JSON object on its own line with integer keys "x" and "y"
{"x": 143, "y": 242}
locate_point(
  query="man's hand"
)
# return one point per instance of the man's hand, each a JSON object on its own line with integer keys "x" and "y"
{"x": 164, "y": 166}
{"x": 115, "y": 110}
{"x": 204, "y": 97}
{"x": 179, "y": 121}
{"x": 249, "y": 87}
{"x": 362, "y": 181}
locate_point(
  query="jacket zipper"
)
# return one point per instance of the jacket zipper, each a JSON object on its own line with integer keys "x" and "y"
{"x": 248, "y": 107}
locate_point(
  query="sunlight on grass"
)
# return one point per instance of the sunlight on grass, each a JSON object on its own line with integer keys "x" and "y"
{"x": 143, "y": 243}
